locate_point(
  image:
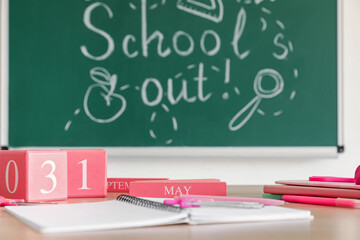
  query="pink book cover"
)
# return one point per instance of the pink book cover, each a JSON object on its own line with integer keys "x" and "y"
{"x": 121, "y": 185}
{"x": 171, "y": 188}
{"x": 187, "y": 180}
{"x": 344, "y": 185}
{"x": 312, "y": 191}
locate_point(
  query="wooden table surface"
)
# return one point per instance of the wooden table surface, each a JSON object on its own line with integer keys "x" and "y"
{"x": 328, "y": 223}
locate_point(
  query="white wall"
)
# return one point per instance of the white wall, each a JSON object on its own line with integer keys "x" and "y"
{"x": 267, "y": 170}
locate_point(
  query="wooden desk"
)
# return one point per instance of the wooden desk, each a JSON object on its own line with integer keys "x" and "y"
{"x": 329, "y": 223}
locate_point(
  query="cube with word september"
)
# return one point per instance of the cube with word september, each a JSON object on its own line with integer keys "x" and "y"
{"x": 86, "y": 172}
{"x": 33, "y": 175}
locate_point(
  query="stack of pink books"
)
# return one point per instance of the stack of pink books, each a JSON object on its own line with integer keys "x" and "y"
{"x": 314, "y": 188}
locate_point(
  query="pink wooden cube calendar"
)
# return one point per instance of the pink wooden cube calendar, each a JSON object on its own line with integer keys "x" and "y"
{"x": 33, "y": 175}
{"x": 86, "y": 172}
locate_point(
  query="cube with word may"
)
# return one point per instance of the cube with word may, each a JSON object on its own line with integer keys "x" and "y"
{"x": 86, "y": 172}
{"x": 33, "y": 175}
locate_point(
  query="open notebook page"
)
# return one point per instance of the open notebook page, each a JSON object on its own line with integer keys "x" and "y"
{"x": 269, "y": 213}
{"x": 116, "y": 214}
{"x": 93, "y": 216}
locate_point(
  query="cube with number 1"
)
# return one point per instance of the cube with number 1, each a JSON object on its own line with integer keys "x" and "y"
{"x": 87, "y": 171}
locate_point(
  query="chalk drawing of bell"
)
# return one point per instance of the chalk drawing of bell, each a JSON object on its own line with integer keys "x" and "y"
{"x": 212, "y": 10}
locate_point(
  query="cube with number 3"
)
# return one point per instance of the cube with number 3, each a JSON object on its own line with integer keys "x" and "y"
{"x": 87, "y": 169}
{"x": 33, "y": 175}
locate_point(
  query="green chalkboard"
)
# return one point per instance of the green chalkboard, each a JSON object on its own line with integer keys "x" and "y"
{"x": 173, "y": 73}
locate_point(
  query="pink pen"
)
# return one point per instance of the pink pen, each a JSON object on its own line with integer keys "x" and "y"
{"x": 10, "y": 202}
{"x": 15, "y": 202}
{"x": 331, "y": 179}
{"x": 183, "y": 203}
{"x": 338, "y": 202}
{"x": 264, "y": 201}
{"x": 191, "y": 202}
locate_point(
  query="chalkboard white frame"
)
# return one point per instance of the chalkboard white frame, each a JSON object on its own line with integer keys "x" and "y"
{"x": 178, "y": 151}
{"x": 4, "y": 71}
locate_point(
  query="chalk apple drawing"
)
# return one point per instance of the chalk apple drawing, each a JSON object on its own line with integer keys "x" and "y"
{"x": 102, "y": 93}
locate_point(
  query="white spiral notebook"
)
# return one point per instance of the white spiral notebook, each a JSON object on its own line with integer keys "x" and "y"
{"x": 130, "y": 212}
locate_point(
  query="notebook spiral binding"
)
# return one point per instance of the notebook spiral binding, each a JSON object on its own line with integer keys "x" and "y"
{"x": 148, "y": 203}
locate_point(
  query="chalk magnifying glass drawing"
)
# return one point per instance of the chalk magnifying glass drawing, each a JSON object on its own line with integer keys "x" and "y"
{"x": 246, "y": 112}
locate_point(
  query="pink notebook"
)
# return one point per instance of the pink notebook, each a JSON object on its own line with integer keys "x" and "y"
{"x": 319, "y": 184}
{"x": 312, "y": 191}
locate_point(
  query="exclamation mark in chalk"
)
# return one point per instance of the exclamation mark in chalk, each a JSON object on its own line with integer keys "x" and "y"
{"x": 225, "y": 95}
